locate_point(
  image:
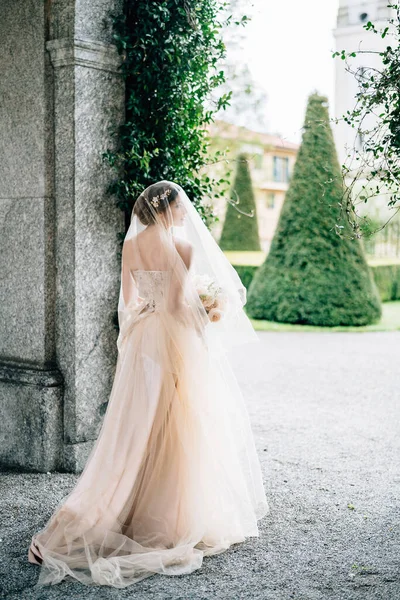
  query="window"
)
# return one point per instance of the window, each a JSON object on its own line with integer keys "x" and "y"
{"x": 363, "y": 17}
{"x": 270, "y": 202}
{"x": 281, "y": 169}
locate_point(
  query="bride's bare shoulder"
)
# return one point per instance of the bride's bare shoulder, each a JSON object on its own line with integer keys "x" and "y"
{"x": 183, "y": 245}
{"x": 185, "y": 250}
{"x": 127, "y": 248}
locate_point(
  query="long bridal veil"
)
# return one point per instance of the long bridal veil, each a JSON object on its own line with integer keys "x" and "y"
{"x": 174, "y": 474}
{"x": 209, "y": 264}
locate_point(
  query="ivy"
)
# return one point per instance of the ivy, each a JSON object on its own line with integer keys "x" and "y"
{"x": 374, "y": 169}
{"x": 171, "y": 52}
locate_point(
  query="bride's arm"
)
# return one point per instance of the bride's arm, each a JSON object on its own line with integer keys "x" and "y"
{"x": 129, "y": 289}
{"x": 185, "y": 250}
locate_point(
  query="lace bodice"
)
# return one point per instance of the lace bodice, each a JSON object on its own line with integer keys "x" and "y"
{"x": 151, "y": 285}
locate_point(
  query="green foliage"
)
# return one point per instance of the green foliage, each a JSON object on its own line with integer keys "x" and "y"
{"x": 386, "y": 277}
{"x": 377, "y": 233}
{"x": 312, "y": 275}
{"x": 240, "y": 229}
{"x": 171, "y": 51}
{"x": 246, "y": 273}
{"x": 378, "y": 161}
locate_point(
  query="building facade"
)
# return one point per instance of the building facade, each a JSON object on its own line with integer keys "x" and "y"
{"x": 271, "y": 163}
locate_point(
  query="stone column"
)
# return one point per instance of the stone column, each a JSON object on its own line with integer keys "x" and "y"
{"x": 31, "y": 419}
{"x": 88, "y": 105}
{"x": 61, "y": 96}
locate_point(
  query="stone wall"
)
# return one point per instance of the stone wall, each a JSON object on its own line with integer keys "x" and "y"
{"x": 62, "y": 95}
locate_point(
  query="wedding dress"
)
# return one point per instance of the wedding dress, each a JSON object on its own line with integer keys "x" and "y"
{"x": 174, "y": 474}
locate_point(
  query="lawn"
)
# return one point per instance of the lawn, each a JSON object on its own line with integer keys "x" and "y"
{"x": 255, "y": 259}
{"x": 252, "y": 258}
{"x": 390, "y": 321}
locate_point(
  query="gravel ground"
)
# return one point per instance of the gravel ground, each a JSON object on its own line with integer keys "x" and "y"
{"x": 325, "y": 415}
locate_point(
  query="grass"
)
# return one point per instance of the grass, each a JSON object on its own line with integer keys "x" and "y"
{"x": 250, "y": 258}
{"x": 390, "y": 321}
{"x": 376, "y": 262}
{"x": 255, "y": 259}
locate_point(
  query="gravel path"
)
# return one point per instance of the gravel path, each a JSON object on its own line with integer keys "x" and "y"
{"x": 325, "y": 414}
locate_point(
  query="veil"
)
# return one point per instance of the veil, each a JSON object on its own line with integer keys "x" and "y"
{"x": 174, "y": 474}
{"x": 203, "y": 291}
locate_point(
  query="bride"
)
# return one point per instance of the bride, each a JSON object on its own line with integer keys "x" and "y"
{"x": 173, "y": 475}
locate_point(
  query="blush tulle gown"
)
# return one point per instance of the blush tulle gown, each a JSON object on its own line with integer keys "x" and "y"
{"x": 174, "y": 475}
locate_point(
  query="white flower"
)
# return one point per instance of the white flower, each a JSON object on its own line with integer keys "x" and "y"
{"x": 215, "y": 315}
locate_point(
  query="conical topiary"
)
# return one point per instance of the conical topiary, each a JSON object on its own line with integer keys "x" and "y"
{"x": 311, "y": 275}
{"x": 240, "y": 232}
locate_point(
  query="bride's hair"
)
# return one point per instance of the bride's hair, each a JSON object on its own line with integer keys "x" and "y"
{"x": 162, "y": 193}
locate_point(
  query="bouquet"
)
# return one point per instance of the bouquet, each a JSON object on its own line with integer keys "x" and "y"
{"x": 211, "y": 296}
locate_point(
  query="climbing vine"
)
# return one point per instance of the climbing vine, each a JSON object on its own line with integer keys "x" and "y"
{"x": 171, "y": 51}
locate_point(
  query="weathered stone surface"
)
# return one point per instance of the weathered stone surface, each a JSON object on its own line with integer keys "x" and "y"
{"x": 26, "y": 167}
{"x": 93, "y": 18}
{"x": 31, "y": 431}
{"x": 27, "y": 279}
{"x": 62, "y": 97}
{"x": 89, "y": 105}
{"x": 26, "y": 186}
{"x": 76, "y": 455}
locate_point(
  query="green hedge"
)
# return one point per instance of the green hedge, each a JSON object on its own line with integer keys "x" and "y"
{"x": 387, "y": 279}
{"x": 240, "y": 231}
{"x": 313, "y": 276}
{"x": 246, "y": 273}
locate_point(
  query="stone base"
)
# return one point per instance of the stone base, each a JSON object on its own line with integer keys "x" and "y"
{"x": 31, "y": 418}
{"x": 76, "y": 455}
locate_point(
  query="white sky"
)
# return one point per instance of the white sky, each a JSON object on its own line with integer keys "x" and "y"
{"x": 288, "y": 47}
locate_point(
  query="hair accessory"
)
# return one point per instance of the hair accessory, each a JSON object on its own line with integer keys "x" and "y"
{"x": 156, "y": 199}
